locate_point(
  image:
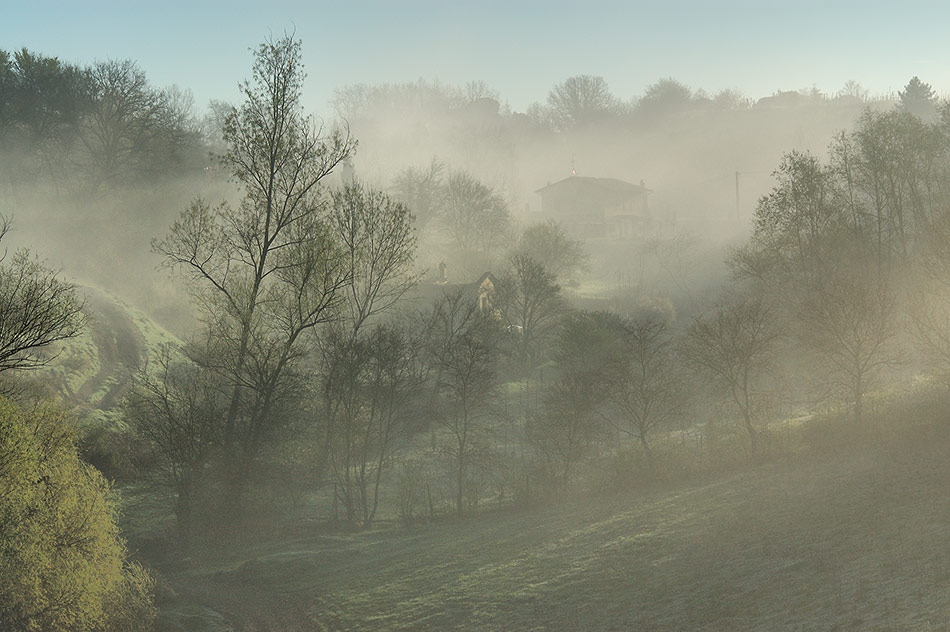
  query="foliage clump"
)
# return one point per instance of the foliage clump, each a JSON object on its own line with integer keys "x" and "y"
{"x": 63, "y": 565}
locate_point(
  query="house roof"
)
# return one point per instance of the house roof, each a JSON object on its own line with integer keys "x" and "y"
{"x": 611, "y": 184}
{"x": 481, "y": 279}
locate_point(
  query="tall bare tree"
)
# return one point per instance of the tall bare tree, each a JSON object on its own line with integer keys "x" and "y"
{"x": 850, "y": 323}
{"x": 929, "y": 306}
{"x": 177, "y": 407}
{"x": 474, "y": 215}
{"x": 378, "y": 245}
{"x": 269, "y": 270}
{"x": 587, "y": 352}
{"x": 374, "y": 389}
{"x": 463, "y": 350}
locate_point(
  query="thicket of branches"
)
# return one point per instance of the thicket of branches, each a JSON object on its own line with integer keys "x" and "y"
{"x": 316, "y": 369}
{"x": 311, "y": 339}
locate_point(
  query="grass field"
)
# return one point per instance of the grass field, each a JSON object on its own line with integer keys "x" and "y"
{"x": 855, "y": 537}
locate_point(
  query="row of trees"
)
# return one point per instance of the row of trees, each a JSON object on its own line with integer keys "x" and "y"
{"x": 291, "y": 284}
{"x": 839, "y": 246}
{"x": 469, "y": 214}
{"x": 633, "y": 376}
{"x": 94, "y": 127}
{"x": 308, "y": 365}
{"x": 585, "y": 100}
{"x": 298, "y": 286}
{"x": 582, "y": 101}
{"x": 845, "y": 270}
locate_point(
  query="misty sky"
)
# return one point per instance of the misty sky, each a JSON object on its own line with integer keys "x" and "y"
{"x": 520, "y": 50}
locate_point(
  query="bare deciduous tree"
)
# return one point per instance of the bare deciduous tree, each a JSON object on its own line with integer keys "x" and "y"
{"x": 378, "y": 242}
{"x": 530, "y": 303}
{"x": 422, "y": 191}
{"x": 548, "y": 244}
{"x": 850, "y": 323}
{"x": 664, "y": 97}
{"x": 177, "y": 408}
{"x": 794, "y": 225}
{"x": 373, "y": 389}
{"x": 378, "y": 245}
{"x": 269, "y": 270}
{"x": 132, "y": 129}
{"x": 568, "y": 426}
{"x": 646, "y": 386}
{"x": 37, "y": 309}
{"x": 475, "y": 217}
{"x": 735, "y": 347}
{"x": 580, "y": 100}
{"x": 929, "y": 306}
{"x": 462, "y": 346}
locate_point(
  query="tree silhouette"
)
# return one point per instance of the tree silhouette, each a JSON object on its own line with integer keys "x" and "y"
{"x": 579, "y": 101}
{"x": 919, "y": 99}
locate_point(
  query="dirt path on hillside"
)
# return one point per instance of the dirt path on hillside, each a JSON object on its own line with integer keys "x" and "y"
{"x": 850, "y": 541}
{"x": 121, "y": 350}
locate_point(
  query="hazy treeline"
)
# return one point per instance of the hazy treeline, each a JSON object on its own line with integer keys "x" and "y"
{"x": 93, "y": 163}
{"x": 99, "y": 151}
{"x": 337, "y": 373}
{"x": 91, "y": 128}
{"x": 686, "y": 145}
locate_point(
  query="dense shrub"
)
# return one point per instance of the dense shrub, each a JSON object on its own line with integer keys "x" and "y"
{"x": 62, "y": 562}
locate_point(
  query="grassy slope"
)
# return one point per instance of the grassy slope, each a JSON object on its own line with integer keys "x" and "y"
{"x": 855, "y": 539}
{"x": 93, "y": 370}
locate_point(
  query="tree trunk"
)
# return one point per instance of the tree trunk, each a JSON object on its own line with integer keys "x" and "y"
{"x": 858, "y": 399}
{"x": 460, "y": 477}
{"x": 753, "y": 438}
{"x": 651, "y": 462}
{"x": 183, "y": 514}
{"x": 429, "y": 501}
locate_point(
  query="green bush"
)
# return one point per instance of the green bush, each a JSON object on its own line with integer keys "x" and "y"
{"x": 62, "y": 562}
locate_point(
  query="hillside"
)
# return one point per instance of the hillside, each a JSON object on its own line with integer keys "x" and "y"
{"x": 92, "y": 373}
{"x": 849, "y": 538}
{"x": 94, "y": 369}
